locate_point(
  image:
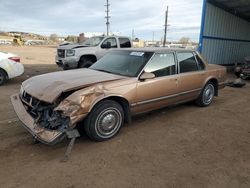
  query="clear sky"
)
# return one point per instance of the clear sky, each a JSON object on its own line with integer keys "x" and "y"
{"x": 71, "y": 17}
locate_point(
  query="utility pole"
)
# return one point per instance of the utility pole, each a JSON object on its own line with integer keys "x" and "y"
{"x": 107, "y": 16}
{"x": 166, "y": 28}
{"x": 133, "y": 34}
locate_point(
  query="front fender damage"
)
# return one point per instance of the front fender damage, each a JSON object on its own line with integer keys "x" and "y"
{"x": 78, "y": 105}
{"x": 50, "y": 123}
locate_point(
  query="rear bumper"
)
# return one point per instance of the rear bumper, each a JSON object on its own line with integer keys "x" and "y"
{"x": 13, "y": 69}
{"x": 43, "y": 135}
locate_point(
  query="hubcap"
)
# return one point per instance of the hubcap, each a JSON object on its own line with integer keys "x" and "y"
{"x": 108, "y": 122}
{"x": 208, "y": 94}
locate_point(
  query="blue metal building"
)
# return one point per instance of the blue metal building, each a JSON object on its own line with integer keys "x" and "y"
{"x": 225, "y": 31}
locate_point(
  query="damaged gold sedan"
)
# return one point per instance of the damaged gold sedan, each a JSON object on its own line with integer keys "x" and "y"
{"x": 121, "y": 84}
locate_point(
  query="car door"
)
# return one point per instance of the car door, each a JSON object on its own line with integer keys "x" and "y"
{"x": 104, "y": 46}
{"x": 161, "y": 90}
{"x": 191, "y": 75}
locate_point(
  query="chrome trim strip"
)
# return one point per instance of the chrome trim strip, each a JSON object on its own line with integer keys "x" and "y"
{"x": 164, "y": 97}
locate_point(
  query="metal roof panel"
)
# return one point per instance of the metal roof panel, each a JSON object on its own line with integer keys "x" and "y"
{"x": 240, "y": 8}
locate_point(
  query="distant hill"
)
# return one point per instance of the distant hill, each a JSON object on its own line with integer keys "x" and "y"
{"x": 25, "y": 35}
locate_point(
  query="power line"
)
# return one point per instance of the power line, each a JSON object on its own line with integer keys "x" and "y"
{"x": 107, "y": 16}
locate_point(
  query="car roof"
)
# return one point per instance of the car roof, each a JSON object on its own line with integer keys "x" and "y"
{"x": 156, "y": 49}
{"x": 116, "y": 36}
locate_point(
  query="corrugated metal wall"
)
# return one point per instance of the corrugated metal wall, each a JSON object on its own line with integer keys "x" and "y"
{"x": 226, "y": 38}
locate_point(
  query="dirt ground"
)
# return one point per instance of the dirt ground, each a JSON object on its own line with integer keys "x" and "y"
{"x": 182, "y": 146}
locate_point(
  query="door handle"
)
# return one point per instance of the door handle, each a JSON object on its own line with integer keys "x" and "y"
{"x": 174, "y": 79}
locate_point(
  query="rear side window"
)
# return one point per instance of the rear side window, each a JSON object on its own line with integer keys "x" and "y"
{"x": 201, "y": 64}
{"x": 124, "y": 43}
{"x": 187, "y": 62}
{"x": 161, "y": 65}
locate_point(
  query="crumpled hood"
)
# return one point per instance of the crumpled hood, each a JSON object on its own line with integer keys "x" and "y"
{"x": 48, "y": 87}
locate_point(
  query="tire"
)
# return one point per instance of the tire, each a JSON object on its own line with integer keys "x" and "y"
{"x": 104, "y": 121}
{"x": 206, "y": 96}
{"x": 85, "y": 62}
{"x": 3, "y": 77}
{"x": 66, "y": 68}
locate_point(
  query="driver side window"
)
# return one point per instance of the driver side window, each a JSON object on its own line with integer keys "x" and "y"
{"x": 162, "y": 65}
{"x": 112, "y": 41}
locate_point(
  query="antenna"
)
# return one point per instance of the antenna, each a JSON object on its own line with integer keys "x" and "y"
{"x": 166, "y": 28}
{"x": 107, "y": 16}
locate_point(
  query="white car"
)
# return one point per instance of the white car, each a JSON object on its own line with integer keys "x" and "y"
{"x": 10, "y": 66}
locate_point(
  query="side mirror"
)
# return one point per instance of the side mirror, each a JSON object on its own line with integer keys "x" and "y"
{"x": 147, "y": 75}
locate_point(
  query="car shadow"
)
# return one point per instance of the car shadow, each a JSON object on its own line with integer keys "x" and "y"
{"x": 31, "y": 70}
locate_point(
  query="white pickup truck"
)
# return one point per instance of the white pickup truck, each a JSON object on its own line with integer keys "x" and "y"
{"x": 85, "y": 54}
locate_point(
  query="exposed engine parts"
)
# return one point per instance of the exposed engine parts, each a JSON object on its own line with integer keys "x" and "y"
{"x": 52, "y": 120}
{"x": 44, "y": 114}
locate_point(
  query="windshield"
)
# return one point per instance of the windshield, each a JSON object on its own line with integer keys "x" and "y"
{"x": 93, "y": 41}
{"x": 125, "y": 63}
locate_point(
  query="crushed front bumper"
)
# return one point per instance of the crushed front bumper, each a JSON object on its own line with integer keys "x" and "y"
{"x": 45, "y": 136}
{"x": 69, "y": 62}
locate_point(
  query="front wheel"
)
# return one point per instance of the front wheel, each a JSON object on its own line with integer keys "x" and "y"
{"x": 85, "y": 62}
{"x": 207, "y": 95}
{"x": 3, "y": 77}
{"x": 104, "y": 121}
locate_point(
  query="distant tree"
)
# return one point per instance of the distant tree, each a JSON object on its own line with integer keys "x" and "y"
{"x": 136, "y": 39}
{"x": 3, "y": 33}
{"x": 184, "y": 40}
{"x": 53, "y": 37}
{"x": 81, "y": 38}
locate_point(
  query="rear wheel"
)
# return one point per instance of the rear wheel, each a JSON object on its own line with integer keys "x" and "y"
{"x": 85, "y": 62}
{"x": 207, "y": 95}
{"x": 104, "y": 121}
{"x": 3, "y": 77}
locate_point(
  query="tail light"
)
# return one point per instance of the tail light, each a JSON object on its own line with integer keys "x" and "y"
{"x": 16, "y": 59}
